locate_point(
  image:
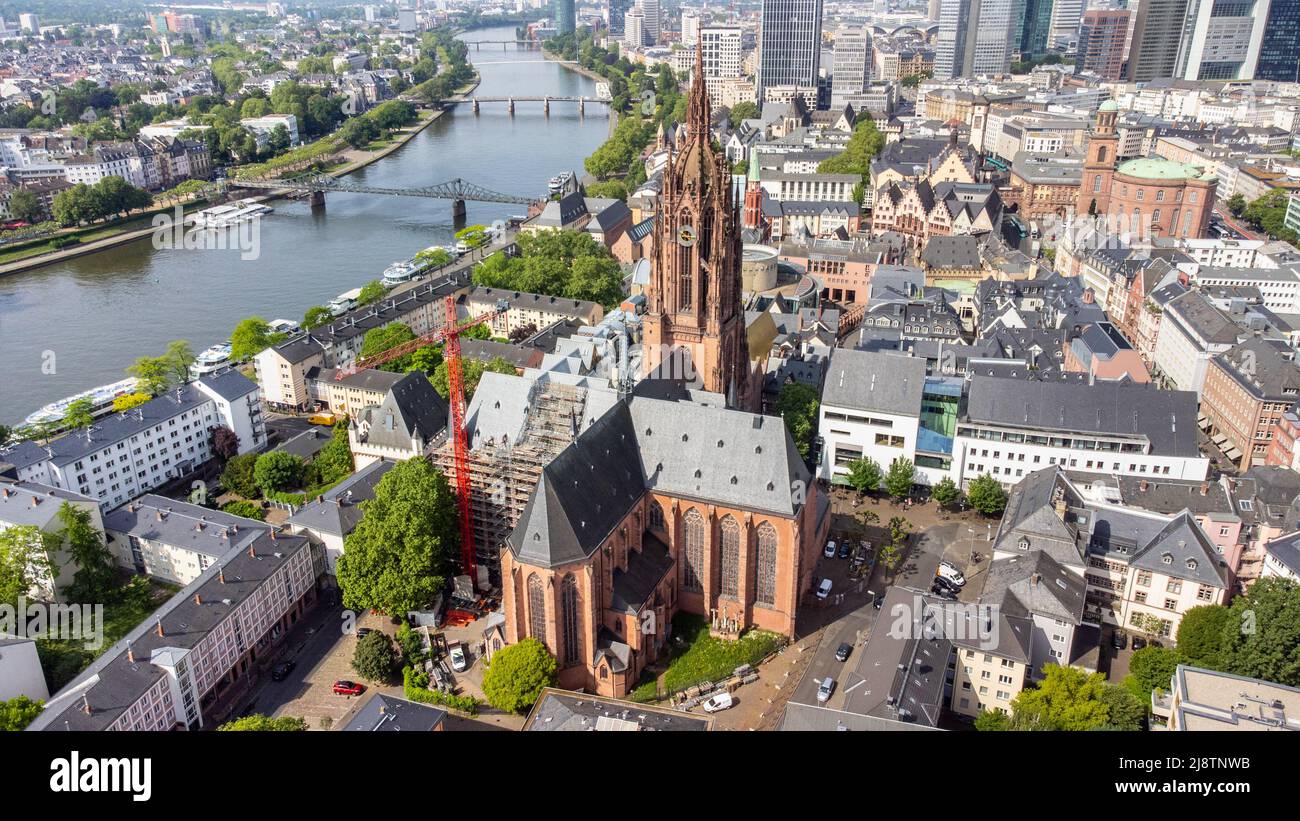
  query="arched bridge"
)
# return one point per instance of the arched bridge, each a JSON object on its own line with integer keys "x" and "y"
{"x": 316, "y": 184}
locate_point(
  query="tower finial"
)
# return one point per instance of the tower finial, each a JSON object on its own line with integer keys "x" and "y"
{"x": 698, "y": 113}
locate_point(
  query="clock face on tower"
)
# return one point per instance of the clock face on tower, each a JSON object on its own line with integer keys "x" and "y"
{"x": 686, "y": 236}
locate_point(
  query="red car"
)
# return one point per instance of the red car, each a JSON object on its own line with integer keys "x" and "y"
{"x": 348, "y": 688}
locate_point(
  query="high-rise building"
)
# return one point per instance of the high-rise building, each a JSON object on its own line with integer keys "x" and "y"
{"x": 29, "y": 23}
{"x": 634, "y": 27}
{"x": 690, "y": 27}
{"x": 789, "y": 49}
{"x": 720, "y": 48}
{"x": 1157, "y": 32}
{"x": 1221, "y": 39}
{"x": 1034, "y": 24}
{"x": 616, "y": 13}
{"x": 851, "y": 73}
{"x": 1066, "y": 16}
{"x": 564, "y": 16}
{"x": 653, "y": 19}
{"x": 1102, "y": 39}
{"x": 975, "y": 38}
{"x": 1279, "y": 53}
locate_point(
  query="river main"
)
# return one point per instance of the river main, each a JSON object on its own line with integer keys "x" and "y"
{"x": 88, "y": 318}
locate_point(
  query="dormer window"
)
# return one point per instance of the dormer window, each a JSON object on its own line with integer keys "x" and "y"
{"x": 1191, "y": 564}
{"x": 1023, "y": 544}
{"x": 1167, "y": 558}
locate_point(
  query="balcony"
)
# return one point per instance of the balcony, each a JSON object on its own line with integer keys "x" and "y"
{"x": 1162, "y": 704}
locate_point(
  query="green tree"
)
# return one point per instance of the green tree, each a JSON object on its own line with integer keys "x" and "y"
{"x": 372, "y": 291}
{"x": 863, "y": 147}
{"x": 316, "y": 316}
{"x": 25, "y": 206}
{"x": 900, "y": 478}
{"x": 238, "y": 475}
{"x": 946, "y": 492}
{"x": 517, "y": 674}
{"x": 797, "y": 404}
{"x": 744, "y": 111}
{"x": 986, "y": 495}
{"x": 154, "y": 373}
{"x": 251, "y": 337}
{"x": 24, "y": 559}
{"x": 1069, "y": 699}
{"x": 1149, "y": 669}
{"x": 179, "y": 357}
{"x": 569, "y": 264}
{"x": 258, "y": 723}
{"x": 1237, "y": 204}
{"x": 989, "y": 721}
{"x": 1261, "y": 637}
{"x": 18, "y": 712}
{"x": 96, "y": 574}
{"x": 397, "y": 558}
{"x": 1201, "y": 635}
{"x": 471, "y": 371}
{"x": 248, "y": 510}
{"x": 334, "y": 461}
{"x": 278, "y": 470}
{"x": 79, "y": 414}
{"x": 375, "y": 658}
{"x": 378, "y": 340}
{"x": 865, "y": 475}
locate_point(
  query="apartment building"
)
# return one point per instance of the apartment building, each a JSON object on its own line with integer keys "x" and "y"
{"x": 989, "y": 673}
{"x": 1207, "y": 700}
{"x": 347, "y": 393}
{"x": 29, "y": 504}
{"x": 193, "y": 661}
{"x": 1247, "y": 390}
{"x": 175, "y": 541}
{"x": 1192, "y": 332}
{"x": 282, "y": 369}
{"x": 124, "y": 455}
{"x": 524, "y": 310}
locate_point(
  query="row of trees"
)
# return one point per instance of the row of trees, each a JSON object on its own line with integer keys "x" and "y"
{"x": 111, "y": 196}
{"x": 984, "y": 493}
{"x": 1267, "y": 214}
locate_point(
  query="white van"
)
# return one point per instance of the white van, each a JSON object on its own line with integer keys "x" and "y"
{"x": 824, "y": 589}
{"x": 718, "y": 702}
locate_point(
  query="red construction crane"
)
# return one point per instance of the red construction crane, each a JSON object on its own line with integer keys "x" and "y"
{"x": 449, "y": 335}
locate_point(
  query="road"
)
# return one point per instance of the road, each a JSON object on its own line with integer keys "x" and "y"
{"x": 1227, "y": 219}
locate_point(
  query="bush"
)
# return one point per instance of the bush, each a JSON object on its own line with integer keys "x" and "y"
{"x": 249, "y": 510}
{"x": 416, "y": 687}
{"x": 517, "y": 674}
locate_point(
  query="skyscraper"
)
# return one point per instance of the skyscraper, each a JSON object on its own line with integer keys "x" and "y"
{"x": 1066, "y": 15}
{"x": 1157, "y": 32}
{"x": 690, "y": 27}
{"x": 1221, "y": 39}
{"x": 975, "y": 38}
{"x": 1034, "y": 24}
{"x": 720, "y": 47}
{"x": 790, "y": 34}
{"x": 653, "y": 19}
{"x": 615, "y": 12}
{"x": 1279, "y": 53}
{"x": 634, "y": 28}
{"x": 852, "y": 68}
{"x": 1102, "y": 38}
{"x": 564, "y": 16}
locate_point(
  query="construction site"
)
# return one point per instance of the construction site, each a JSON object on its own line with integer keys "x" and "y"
{"x": 512, "y": 438}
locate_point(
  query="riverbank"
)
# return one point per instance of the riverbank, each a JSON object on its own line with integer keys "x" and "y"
{"x": 121, "y": 233}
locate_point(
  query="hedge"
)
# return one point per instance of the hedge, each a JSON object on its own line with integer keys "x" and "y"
{"x": 416, "y": 685}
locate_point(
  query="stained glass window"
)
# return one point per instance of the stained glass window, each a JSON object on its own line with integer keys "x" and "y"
{"x": 569, "y": 610}
{"x": 765, "y": 576}
{"x": 693, "y": 573}
{"x": 536, "y": 608}
{"x": 730, "y": 557}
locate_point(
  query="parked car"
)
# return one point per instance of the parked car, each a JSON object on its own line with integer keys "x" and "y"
{"x": 1118, "y": 640}
{"x": 825, "y": 689}
{"x": 362, "y": 632}
{"x": 718, "y": 702}
{"x": 943, "y": 592}
{"x": 951, "y": 573}
{"x": 348, "y": 688}
{"x": 1139, "y": 643}
{"x": 879, "y": 602}
{"x": 843, "y": 652}
{"x": 947, "y": 584}
{"x": 824, "y": 589}
{"x": 459, "y": 660}
{"x": 845, "y": 549}
{"x": 829, "y": 552}
{"x": 282, "y": 670}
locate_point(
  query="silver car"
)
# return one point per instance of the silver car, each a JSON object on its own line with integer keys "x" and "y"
{"x": 825, "y": 689}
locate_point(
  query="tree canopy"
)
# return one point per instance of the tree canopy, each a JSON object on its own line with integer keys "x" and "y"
{"x": 797, "y": 404}
{"x": 864, "y": 146}
{"x": 1069, "y": 699}
{"x": 397, "y": 558}
{"x": 987, "y": 495}
{"x": 261, "y": 724}
{"x": 865, "y": 475}
{"x": 569, "y": 264}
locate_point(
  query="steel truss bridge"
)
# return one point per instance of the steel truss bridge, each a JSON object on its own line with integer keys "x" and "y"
{"x": 316, "y": 185}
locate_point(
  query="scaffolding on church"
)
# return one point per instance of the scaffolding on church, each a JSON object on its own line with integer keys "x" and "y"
{"x": 503, "y": 474}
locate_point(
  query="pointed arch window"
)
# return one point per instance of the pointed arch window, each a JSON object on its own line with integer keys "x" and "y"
{"x": 765, "y": 570}
{"x": 570, "y": 618}
{"x": 730, "y": 557}
{"x": 693, "y": 568}
{"x": 536, "y": 608}
{"x": 657, "y": 517}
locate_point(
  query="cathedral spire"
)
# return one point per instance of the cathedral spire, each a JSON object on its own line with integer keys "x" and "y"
{"x": 697, "y": 113}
